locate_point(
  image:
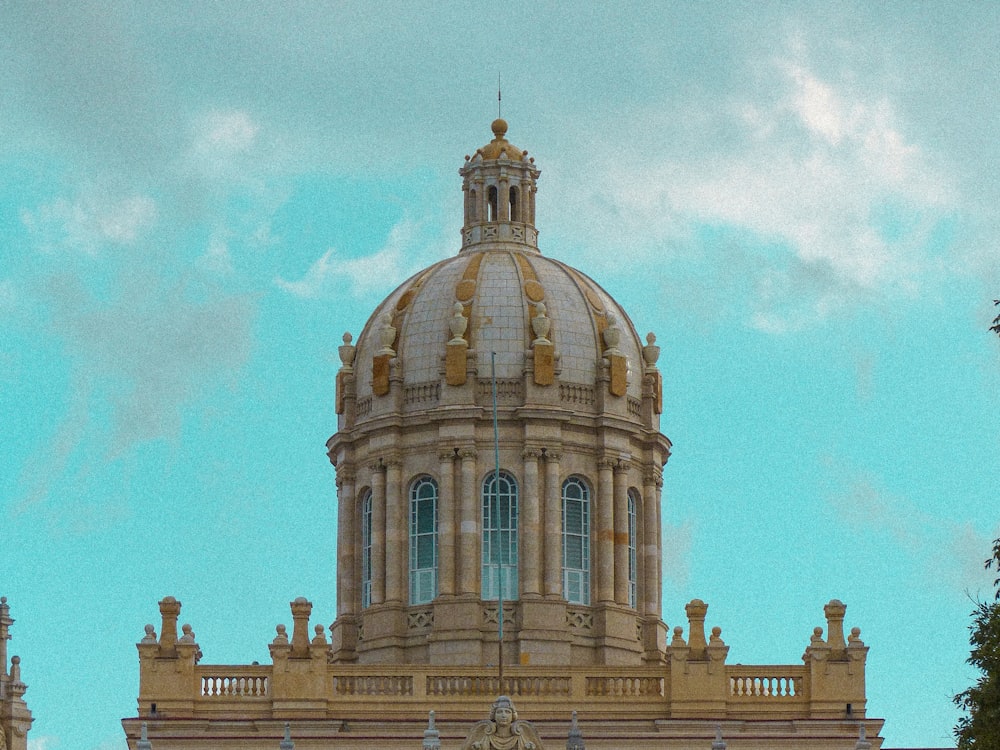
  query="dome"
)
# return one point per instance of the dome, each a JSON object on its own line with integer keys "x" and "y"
{"x": 499, "y": 303}
{"x": 538, "y": 487}
{"x": 499, "y": 292}
{"x": 500, "y": 147}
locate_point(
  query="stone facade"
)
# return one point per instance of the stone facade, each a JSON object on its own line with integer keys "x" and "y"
{"x": 499, "y": 462}
{"x": 15, "y": 718}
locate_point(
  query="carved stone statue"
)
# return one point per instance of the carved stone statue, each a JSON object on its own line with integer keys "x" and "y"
{"x": 503, "y": 731}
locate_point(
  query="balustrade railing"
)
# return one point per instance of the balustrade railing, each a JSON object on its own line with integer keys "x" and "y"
{"x": 392, "y": 685}
{"x": 634, "y": 407}
{"x": 747, "y": 685}
{"x": 235, "y": 685}
{"x": 581, "y": 395}
{"x": 476, "y": 685}
{"x": 364, "y": 407}
{"x": 624, "y": 687}
{"x": 509, "y": 392}
{"x": 766, "y": 683}
{"x": 422, "y": 393}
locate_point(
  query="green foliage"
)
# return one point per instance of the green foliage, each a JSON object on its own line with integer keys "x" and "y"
{"x": 980, "y": 728}
{"x": 996, "y": 321}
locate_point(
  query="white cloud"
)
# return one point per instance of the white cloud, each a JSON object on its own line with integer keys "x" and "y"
{"x": 818, "y": 105}
{"x": 225, "y": 147}
{"x": 949, "y": 550}
{"x": 217, "y": 257}
{"x": 802, "y": 174}
{"x": 137, "y": 362}
{"x": 225, "y": 133}
{"x": 91, "y": 221}
{"x": 43, "y": 742}
{"x": 380, "y": 271}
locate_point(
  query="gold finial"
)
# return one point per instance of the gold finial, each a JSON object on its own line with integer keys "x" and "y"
{"x": 499, "y": 127}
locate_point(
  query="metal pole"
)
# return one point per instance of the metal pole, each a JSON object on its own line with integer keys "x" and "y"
{"x": 496, "y": 498}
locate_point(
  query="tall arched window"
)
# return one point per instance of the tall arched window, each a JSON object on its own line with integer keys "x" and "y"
{"x": 515, "y": 208}
{"x": 423, "y": 540}
{"x": 491, "y": 204}
{"x": 499, "y": 536}
{"x": 366, "y": 549}
{"x": 633, "y": 567}
{"x": 576, "y": 541}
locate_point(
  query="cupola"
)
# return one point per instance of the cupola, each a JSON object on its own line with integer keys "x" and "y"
{"x": 499, "y": 186}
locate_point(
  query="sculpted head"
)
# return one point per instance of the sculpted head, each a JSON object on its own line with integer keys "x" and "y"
{"x": 503, "y": 711}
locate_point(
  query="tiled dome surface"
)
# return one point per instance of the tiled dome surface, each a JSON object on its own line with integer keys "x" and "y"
{"x": 500, "y": 289}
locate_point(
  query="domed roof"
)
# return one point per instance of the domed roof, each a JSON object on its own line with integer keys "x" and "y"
{"x": 499, "y": 292}
{"x": 500, "y": 147}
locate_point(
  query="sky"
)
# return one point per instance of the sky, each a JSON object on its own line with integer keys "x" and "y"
{"x": 198, "y": 199}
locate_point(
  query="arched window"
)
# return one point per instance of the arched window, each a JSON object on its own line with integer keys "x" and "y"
{"x": 366, "y": 549}
{"x": 473, "y": 205}
{"x": 515, "y": 210}
{"x": 423, "y": 540}
{"x": 576, "y": 541}
{"x": 633, "y": 568}
{"x": 491, "y": 204}
{"x": 499, "y": 536}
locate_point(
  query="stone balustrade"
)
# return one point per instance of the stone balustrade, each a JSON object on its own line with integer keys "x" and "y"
{"x": 244, "y": 682}
{"x": 776, "y": 683}
{"x": 693, "y": 681}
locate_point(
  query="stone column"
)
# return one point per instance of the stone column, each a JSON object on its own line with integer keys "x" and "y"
{"x": 482, "y": 193}
{"x": 301, "y": 609}
{"x": 396, "y": 549}
{"x": 170, "y": 609}
{"x": 621, "y": 532}
{"x": 378, "y": 532}
{"x": 696, "y": 610}
{"x": 652, "y": 481}
{"x": 605, "y": 531}
{"x": 553, "y": 526}
{"x": 446, "y": 523}
{"x": 835, "y": 612}
{"x": 503, "y": 198}
{"x": 469, "y": 557}
{"x": 530, "y": 533}
{"x": 347, "y": 531}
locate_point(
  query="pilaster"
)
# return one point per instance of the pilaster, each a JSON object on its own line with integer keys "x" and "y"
{"x": 605, "y": 531}
{"x": 553, "y": 524}
{"x": 347, "y": 572}
{"x": 530, "y": 531}
{"x": 469, "y": 559}
{"x": 836, "y": 669}
{"x": 621, "y": 533}
{"x": 446, "y": 523}
{"x": 397, "y": 548}
{"x": 167, "y": 681}
{"x": 298, "y": 680}
{"x": 699, "y": 686}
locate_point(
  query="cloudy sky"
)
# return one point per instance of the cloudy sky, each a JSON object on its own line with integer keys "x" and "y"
{"x": 198, "y": 199}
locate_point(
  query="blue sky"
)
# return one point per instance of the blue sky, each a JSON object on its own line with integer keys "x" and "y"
{"x": 197, "y": 200}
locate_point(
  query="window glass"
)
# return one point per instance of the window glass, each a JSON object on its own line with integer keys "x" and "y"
{"x": 499, "y": 536}
{"x": 576, "y": 541}
{"x": 423, "y": 540}
{"x": 366, "y": 550}
{"x": 633, "y": 505}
